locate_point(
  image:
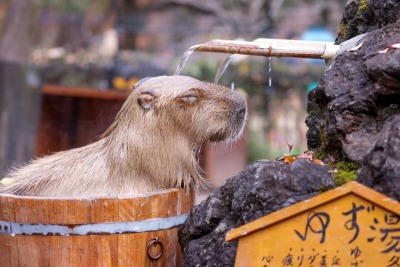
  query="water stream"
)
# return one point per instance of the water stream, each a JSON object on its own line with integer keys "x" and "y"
{"x": 269, "y": 72}
{"x": 184, "y": 59}
{"x": 222, "y": 68}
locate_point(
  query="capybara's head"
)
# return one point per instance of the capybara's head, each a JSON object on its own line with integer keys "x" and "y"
{"x": 184, "y": 106}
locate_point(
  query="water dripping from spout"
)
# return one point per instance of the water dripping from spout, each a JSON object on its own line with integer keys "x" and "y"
{"x": 185, "y": 58}
{"x": 269, "y": 72}
{"x": 222, "y": 68}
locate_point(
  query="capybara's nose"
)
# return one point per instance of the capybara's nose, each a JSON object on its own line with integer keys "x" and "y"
{"x": 242, "y": 112}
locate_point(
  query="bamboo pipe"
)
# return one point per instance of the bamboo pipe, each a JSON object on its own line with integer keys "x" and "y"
{"x": 272, "y": 48}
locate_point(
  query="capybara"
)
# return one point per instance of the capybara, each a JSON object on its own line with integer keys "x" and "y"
{"x": 150, "y": 145}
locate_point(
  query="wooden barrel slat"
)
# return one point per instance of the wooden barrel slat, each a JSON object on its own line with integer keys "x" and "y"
{"x": 6, "y": 242}
{"x": 105, "y": 210}
{"x": 7, "y": 212}
{"x": 99, "y": 249}
{"x": 8, "y": 252}
{"x": 75, "y": 212}
{"x": 60, "y": 247}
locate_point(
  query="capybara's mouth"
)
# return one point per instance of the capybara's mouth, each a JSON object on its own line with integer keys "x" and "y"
{"x": 233, "y": 132}
{"x": 219, "y": 136}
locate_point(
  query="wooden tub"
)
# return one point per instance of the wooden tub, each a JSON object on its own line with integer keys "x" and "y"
{"x": 138, "y": 231}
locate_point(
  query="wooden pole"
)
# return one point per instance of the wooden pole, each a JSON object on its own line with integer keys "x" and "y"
{"x": 271, "y": 48}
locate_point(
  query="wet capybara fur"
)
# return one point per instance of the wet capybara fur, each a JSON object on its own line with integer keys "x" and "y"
{"x": 151, "y": 144}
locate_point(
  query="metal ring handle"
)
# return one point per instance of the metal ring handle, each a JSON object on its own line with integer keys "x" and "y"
{"x": 154, "y": 242}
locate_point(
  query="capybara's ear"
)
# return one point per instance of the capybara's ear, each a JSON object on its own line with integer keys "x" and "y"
{"x": 146, "y": 99}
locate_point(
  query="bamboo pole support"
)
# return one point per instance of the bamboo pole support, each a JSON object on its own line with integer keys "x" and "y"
{"x": 271, "y": 48}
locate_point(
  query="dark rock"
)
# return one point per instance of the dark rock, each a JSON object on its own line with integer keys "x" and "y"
{"x": 355, "y": 96}
{"x": 262, "y": 188}
{"x": 361, "y": 16}
{"x": 384, "y": 67}
{"x": 381, "y": 167}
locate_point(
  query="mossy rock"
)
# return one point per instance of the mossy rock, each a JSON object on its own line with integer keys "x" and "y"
{"x": 363, "y": 6}
{"x": 346, "y": 172}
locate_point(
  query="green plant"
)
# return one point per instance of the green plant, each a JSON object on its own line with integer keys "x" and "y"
{"x": 363, "y": 6}
{"x": 346, "y": 172}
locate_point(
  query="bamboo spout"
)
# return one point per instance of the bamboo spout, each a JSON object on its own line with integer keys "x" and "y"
{"x": 272, "y": 48}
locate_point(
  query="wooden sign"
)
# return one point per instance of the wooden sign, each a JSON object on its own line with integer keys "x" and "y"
{"x": 352, "y": 225}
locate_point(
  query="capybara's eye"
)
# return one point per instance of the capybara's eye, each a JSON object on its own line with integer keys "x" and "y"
{"x": 190, "y": 98}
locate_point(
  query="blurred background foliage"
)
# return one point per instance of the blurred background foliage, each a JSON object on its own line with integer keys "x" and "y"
{"x": 66, "y": 5}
